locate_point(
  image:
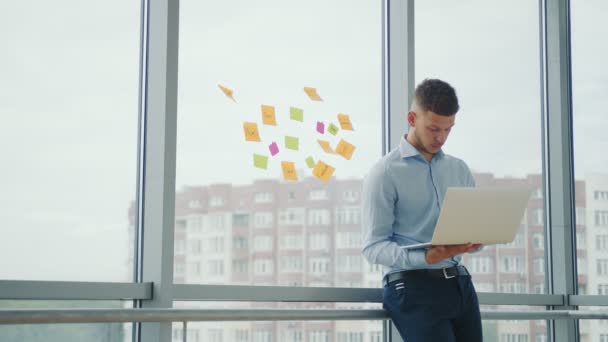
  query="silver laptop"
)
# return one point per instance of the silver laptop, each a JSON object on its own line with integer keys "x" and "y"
{"x": 489, "y": 215}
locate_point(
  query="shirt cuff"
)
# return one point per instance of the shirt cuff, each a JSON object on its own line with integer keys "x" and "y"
{"x": 417, "y": 258}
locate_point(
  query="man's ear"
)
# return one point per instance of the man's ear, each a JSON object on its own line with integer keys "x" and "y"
{"x": 411, "y": 118}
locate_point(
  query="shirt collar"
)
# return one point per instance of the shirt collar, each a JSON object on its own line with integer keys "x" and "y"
{"x": 408, "y": 150}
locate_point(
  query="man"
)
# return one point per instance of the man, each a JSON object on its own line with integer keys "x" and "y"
{"x": 427, "y": 293}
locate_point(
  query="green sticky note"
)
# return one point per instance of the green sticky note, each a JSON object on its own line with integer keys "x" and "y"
{"x": 310, "y": 162}
{"x": 260, "y": 161}
{"x": 296, "y": 114}
{"x": 333, "y": 129}
{"x": 292, "y": 143}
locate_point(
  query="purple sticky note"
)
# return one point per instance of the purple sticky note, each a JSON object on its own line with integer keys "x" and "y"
{"x": 274, "y": 148}
{"x": 320, "y": 127}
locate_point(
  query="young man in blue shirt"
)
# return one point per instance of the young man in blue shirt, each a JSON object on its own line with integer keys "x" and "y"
{"x": 427, "y": 293}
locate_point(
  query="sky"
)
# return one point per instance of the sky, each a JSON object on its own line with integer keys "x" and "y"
{"x": 68, "y": 97}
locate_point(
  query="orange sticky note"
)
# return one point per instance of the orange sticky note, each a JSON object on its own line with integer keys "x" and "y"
{"x": 268, "y": 115}
{"x": 345, "y": 122}
{"x": 251, "y": 131}
{"x": 289, "y": 170}
{"x": 326, "y": 147}
{"x": 227, "y": 92}
{"x": 345, "y": 149}
{"x": 312, "y": 94}
{"x": 323, "y": 171}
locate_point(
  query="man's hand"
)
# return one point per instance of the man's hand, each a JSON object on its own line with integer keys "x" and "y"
{"x": 437, "y": 253}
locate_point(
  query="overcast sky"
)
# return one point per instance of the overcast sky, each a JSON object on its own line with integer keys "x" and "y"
{"x": 68, "y": 97}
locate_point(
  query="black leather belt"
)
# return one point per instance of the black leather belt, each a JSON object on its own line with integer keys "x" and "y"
{"x": 446, "y": 273}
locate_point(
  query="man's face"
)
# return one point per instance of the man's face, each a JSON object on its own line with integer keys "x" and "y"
{"x": 431, "y": 130}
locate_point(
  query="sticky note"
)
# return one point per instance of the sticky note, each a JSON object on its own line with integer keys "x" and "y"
{"x": 325, "y": 146}
{"x": 323, "y": 171}
{"x": 296, "y": 114}
{"x": 268, "y": 115}
{"x": 260, "y": 161}
{"x": 310, "y": 162}
{"x": 345, "y": 149}
{"x": 333, "y": 129}
{"x": 251, "y": 131}
{"x": 320, "y": 127}
{"x": 227, "y": 92}
{"x": 274, "y": 148}
{"x": 312, "y": 94}
{"x": 345, "y": 122}
{"x": 289, "y": 170}
{"x": 292, "y": 143}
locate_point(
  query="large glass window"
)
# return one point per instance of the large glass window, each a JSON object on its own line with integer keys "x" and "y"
{"x": 267, "y": 226}
{"x": 495, "y": 68}
{"x": 68, "y": 139}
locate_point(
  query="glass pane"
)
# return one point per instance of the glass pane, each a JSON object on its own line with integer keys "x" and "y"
{"x": 494, "y": 67}
{"x": 242, "y": 221}
{"x": 68, "y": 139}
{"x": 514, "y": 330}
{"x": 98, "y": 332}
{"x": 283, "y": 331}
{"x": 589, "y": 86}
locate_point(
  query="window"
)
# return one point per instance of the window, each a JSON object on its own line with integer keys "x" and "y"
{"x": 215, "y": 244}
{"x": 601, "y": 218}
{"x": 319, "y": 217}
{"x": 318, "y": 241}
{"x": 350, "y": 336}
{"x": 194, "y": 204}
{"x": 291, "y": 216}
{"x": 240, "y": 266}
{"x": 581, "y": 264}
{"x": 481, "y": 264}
{"x": 485, "y": 287}
{"x": 602, "y": 289}
{"x": 216, "y": 267}
{"x": 539, "y": 288}
{"x": 318, "y": 195}
{"x": 350, "y": 195}
{"x": 581, "y": 241}
{"x": 263, "y": 243}
{"x": 348, "y": 240}
{"x": 601, "y": 242}
{"x": 216, "y": 221}
{"x": 538, "y": 217}
{"x": 348, "y": 263}
{"x": 348, "y": 215}
{"x": 216, "y": 201}
{"x": 513, "y": 287}
{"x": 215, "y": 335}
{"x": 538, "y": 241}
{"x": 292, "y": 263}
{"x": 318, "y": 265}
{"x": 196, "y": 247}
{"x": 318, "y": 336}
{"x": 240, "y": 220}
{"x": 263, "y": 219}
{"x": 518, "y": 242}
{"x": 602, "y": 266}
{"x": 262, "y": 197}
{"x": 240, "y": 242}
{"x": 600, "y": 195}
{"x": 241, "y": 335}
{"x": 262, "y": 336}
{"x": 512, "y": 264}
{"x": 292, "y": 241}
{"x": 603, "y": 337}
{"x": 542, "y": 338}
{"x": 513, "y": 337}
{"x": 539, "y": 265}
{"x": 580, "y": 216}
{"x": 263, "y": 266}
{"x": 179, "y": 246}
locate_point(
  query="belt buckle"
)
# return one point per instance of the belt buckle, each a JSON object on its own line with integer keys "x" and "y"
{"x": 445, "y": 274}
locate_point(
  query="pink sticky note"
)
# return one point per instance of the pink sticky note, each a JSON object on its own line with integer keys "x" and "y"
{"x": 320, "y": 127}
{"x": 274, "y": 148}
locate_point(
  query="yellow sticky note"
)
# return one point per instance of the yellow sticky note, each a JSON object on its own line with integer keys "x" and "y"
{"x": 228, "y": 92}
{"x": 333, "y": 129}
{"x": 312, "y": 94}
{"x": 325, "y": 146}
{"x": 323, "y": 171}
{"x": 345, "y": 122}
{"x": 289, "y": 170}
{"x": 260, "y": 161}
{"x": 292, "y": 143}
{"x": 345, "y": 149}
{"x": 268, "y": 115}
{"x": 251, "y": 131}
{"x": 310, "y": 162}
{"x": 296, "y": 114}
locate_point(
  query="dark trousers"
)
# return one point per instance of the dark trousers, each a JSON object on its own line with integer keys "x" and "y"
{"x": 432, "y": 309}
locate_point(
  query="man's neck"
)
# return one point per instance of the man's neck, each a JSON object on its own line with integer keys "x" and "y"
{"x": 411, "y": 140}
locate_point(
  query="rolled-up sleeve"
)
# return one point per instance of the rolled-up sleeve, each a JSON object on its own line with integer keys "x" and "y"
{"x": 379, "y": 196}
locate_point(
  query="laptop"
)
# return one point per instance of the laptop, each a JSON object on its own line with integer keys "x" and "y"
{"x": 488, "y": 215}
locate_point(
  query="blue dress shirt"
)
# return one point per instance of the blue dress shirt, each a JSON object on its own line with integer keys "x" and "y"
{"x": 401, "y": 199}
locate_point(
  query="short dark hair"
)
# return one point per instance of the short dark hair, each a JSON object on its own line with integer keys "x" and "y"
{"x": 437, "y": 96}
